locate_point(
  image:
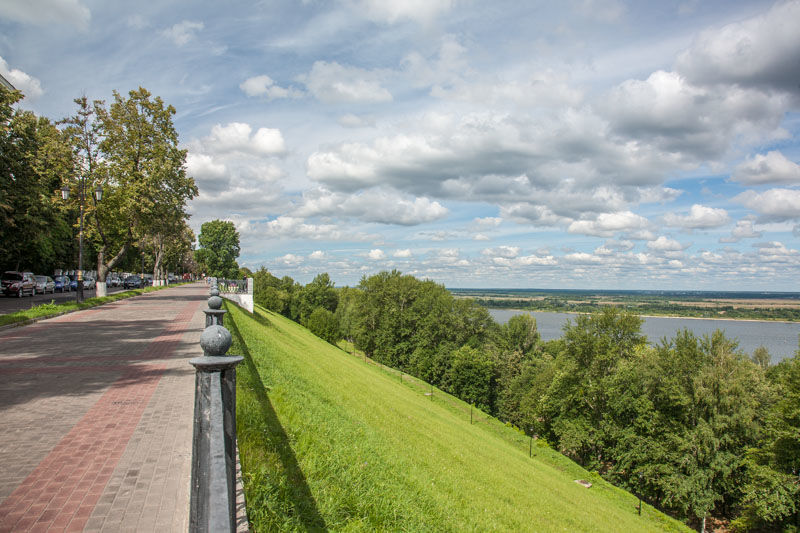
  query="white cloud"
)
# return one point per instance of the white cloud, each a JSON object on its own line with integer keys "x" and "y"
{"x": 421, "y": 11}
{"x": 763, "y": 51}
{"x": 487, "y": 222}
{"x": 692, "y": 122}
{"x": 773, "y": 204}
{"x": 236, "y": 137}
{"x": 350, "y": 120}
{"x": 290, "y": 259}
{"x": 203, "y": 167}
{"x": 42, "y": 12}
{"x": 772, "y": 168}
{"x": 264, "y": 86}
{"x": 318, "y": 255}
{"x": 508, "y": 252}
{"x": 335, "y": 83}
{"x": 27, "y": 84}
{"x": 403, "y": 254}
{"x": 664, "y": 244}
{"x": 699, "y": 217}
{"x": 287, "y": 227}
{"x": 383, "y": 206}
{"x": 744, "y": 229}
{"x": 777, "y": 252}
{"x": 582, "y": 258}
{"x": 607, "y": 224}
{"x": 376, "y": 254}
{"x": 524, "y": 261}
{"x": 183, "y": 32}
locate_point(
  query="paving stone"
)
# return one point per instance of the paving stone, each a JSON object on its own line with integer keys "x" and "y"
{"x": 97, "y": 416}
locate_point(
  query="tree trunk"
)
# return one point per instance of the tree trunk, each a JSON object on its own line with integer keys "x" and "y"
{"x": 102, "y": 273}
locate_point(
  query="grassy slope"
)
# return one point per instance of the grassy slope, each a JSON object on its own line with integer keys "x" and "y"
{"x": 327, "y": 441}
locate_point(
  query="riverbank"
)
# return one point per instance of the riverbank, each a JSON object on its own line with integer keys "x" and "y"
{"x": 779, "y": 338}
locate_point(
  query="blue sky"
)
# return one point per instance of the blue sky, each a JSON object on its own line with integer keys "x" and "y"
{"x": 588, "y": 144}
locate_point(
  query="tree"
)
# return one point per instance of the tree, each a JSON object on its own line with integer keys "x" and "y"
{"x": 771, "y": 497}
{"x": 319, "y": 293}
{"x": 35, "y": 231}
{"x": 219, "y": 248}
{"x": 324, "y": 325}
{"x": 576, "y": 404}
{"x": 521, "y": 333}
{"x": 471, "y": 377}
{"x": 131, "y": 151}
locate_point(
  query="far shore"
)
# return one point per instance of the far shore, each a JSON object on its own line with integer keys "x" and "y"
{"x": 650, "y": 316}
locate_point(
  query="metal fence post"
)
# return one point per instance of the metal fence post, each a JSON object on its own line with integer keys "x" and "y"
{"x": 213, "y": 491}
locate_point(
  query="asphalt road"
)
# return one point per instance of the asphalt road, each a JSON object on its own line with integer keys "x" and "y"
{"x": 10, "y": 304}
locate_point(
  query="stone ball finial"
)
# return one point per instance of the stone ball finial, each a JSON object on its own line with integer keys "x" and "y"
{"x": 214, "y": 291}
{"x": 215, "y": 302}
{"x": 215, "y": 341}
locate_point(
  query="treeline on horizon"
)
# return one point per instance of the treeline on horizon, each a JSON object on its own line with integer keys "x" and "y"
{"x": 692, "y": 425}
{"x": 661, "y": 308}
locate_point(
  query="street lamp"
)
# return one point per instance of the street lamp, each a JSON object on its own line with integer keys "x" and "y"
{"x": 98, "y": 194}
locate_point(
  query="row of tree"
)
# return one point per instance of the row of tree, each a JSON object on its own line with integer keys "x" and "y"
{"x": 692, "y": 425}
{"x": 129, "y": 150}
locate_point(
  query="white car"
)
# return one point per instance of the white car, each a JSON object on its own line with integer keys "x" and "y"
{"x": 88, "y": 283}
{"x": 45, "y": 284}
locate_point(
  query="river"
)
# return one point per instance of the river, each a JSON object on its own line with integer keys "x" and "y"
{"x": 779, "y": 338}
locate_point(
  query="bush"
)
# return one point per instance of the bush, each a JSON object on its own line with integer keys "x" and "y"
{"x": 324, "y": 325}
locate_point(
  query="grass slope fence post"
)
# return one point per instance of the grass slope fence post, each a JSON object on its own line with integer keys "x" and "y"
{"x": 213, "y": 490}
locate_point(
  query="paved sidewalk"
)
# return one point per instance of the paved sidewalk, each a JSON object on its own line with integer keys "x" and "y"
{"x": 96, "y": 409}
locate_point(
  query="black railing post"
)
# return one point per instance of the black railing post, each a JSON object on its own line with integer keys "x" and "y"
{"x": 214, "y": 314}
{"x": 213, "y": 492}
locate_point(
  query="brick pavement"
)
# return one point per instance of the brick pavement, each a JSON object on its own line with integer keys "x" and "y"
{"x": 97, "y": 416}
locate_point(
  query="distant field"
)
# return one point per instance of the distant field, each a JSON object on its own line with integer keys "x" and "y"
{"x": 332, "y": 441}
{"x": 742, "y": 305}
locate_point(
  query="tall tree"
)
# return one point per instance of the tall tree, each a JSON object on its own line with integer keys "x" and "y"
{"x": 219, "y": 248}
{"x": 131, "y": 151}
{"x": 146, "y": 187}
{"x": 34, "y": 227}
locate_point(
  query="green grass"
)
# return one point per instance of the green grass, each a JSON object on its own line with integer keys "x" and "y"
{"x": 328, "y": 441}
{"x": 53, "y": 309}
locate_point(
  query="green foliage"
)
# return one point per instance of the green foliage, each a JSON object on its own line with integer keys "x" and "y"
{"x": 471, "y": 377}
{"x": 403, "y": 322}
{"x": 319, "y": 293}
{"x": 219, "y": 248}
{"x": 324, "y": 325}
{"x": 130, "y": 149}
{"x": 35, "y": 228}
{"x": 521, "y": 334}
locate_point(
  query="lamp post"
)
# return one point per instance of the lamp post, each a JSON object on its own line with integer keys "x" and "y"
{"x": 98, "y": 194}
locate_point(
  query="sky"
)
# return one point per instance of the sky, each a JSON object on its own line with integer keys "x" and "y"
{"x": 589, "y": 144}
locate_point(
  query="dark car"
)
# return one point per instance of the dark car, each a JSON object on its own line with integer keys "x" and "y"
{"x": 18, "y": 283}
{"x": 132, "y": 282}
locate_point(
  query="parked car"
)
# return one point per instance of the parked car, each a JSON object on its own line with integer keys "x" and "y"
{"x": 132, "y": 282}
{"x": 45, "y": 284}
{"x": 73, "y": 283}
{"x": 61, "y": 283}
{"x": 89, "y": 283}
{"x": 18, "y": 283}
{"x": 113, "y": 281}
